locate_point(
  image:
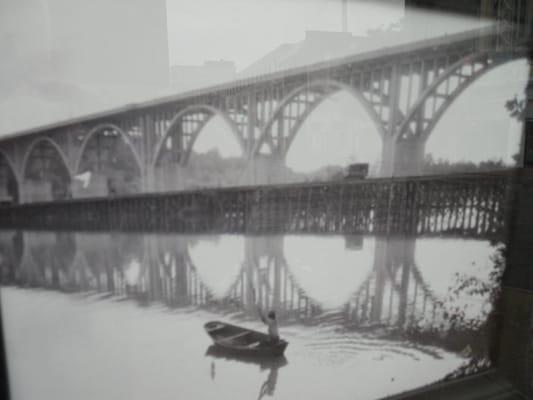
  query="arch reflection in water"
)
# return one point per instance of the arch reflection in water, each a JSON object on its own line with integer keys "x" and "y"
{"x": 359, "y": 282}
{"x": 339, "y": 298}
{"x": 320, "y": 263}
{"x": 46, "y": 259}
{"x": 218, "y": 260}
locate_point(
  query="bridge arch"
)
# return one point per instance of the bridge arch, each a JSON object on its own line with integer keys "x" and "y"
{"x": 311, "y": 95}
{"x": 9, "y": 180}
{"x": 45, "y": 172}
{"x": 108, "y": 153}
{"x": 185, "y": 128}
{"x": 100, "y": 128}
{"x": 442, "y": 92}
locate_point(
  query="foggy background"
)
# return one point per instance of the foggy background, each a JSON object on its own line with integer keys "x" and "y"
{"x": 68, "y": 58}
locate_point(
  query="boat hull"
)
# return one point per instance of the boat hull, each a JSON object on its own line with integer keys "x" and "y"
{"x": 241, "y": 341}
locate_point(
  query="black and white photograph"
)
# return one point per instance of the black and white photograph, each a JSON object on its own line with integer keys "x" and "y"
{"x": 266, "y": 199}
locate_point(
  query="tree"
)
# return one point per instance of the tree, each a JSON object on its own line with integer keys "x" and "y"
{"x": 458, "y": 331}
{"x": 516, "y": 108}
{"x": 440, "y": 166}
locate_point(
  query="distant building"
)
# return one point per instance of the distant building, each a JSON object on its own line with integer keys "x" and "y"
{"x": 317, "y": 46}
{"x": 188, "y": 77}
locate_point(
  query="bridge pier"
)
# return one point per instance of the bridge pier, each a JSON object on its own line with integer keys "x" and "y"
{"x": 393, "y": 259}
{"x": 148, "y": 180}
{"x": 263, "y": 269}
{"x": 402, "y": 157}
{"x": 381, "y": 263}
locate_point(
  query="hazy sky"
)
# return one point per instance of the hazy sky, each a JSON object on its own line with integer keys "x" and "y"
{"x": 244, "y": 30}
{"x": 477, "y": 127}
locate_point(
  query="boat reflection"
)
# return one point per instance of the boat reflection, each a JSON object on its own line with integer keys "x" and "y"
{"x": 273, "y": 364}
{"x": 269, "y": 386}
{"x": 264, "y": 362}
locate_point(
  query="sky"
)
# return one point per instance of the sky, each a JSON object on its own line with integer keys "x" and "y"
{"x": 244, "y": 30}
{"x": 63, "y": 59}
{"x": 477, "y": 127}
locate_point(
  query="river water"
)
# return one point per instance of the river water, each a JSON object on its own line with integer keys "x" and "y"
{"x": 120, "y": 316}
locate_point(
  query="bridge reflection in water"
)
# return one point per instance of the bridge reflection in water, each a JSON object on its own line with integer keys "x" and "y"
{"x": 391, "y": 286}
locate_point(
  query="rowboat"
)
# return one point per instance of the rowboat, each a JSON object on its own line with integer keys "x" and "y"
{"x": 237, "y": 340}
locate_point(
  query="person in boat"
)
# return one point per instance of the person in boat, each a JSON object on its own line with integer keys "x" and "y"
{"x": 269, "y": 320}
{"x": 272, "y": 323}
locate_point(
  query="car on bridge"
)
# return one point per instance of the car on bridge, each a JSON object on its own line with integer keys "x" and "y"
{"x": 356, "y": 171}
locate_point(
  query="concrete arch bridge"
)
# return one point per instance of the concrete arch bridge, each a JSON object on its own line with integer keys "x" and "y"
{"x": 143, "y": 148}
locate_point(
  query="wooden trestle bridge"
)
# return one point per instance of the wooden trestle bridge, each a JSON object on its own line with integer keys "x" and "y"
{"x": 458, "y": 205}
